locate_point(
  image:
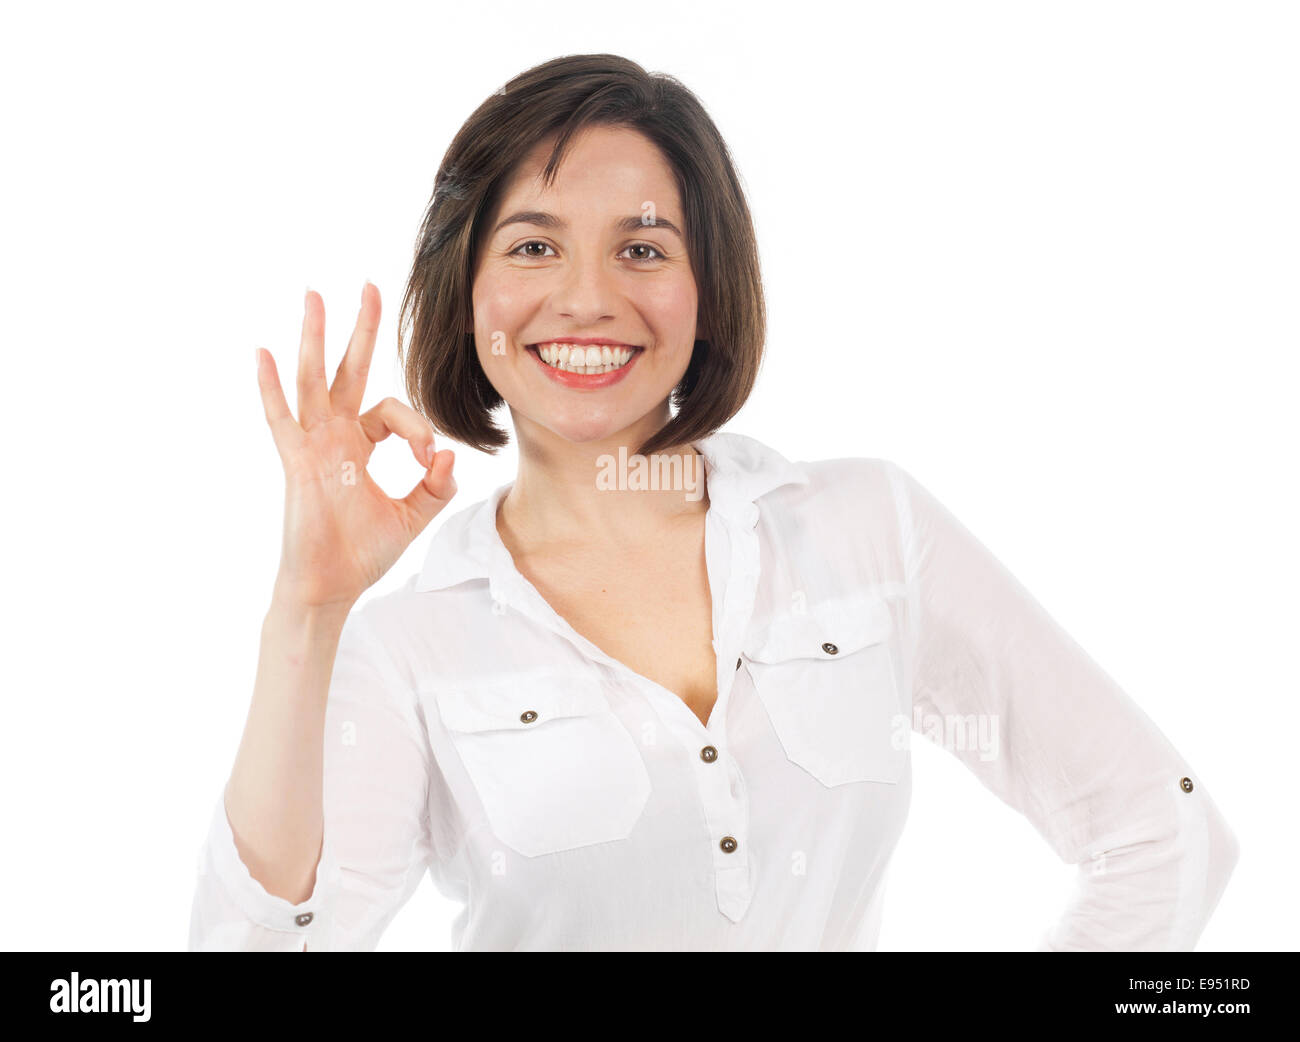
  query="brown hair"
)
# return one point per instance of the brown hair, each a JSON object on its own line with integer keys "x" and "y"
{"x": 444, "y": 379}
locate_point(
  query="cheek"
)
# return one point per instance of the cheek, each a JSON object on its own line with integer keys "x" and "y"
{"x": 672, "y": 304}
{"x": 498, "y": 305}
{"x": 492, "y": 329}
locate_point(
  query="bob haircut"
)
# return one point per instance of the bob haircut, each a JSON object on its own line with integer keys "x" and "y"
{"x": 444, "y": 379}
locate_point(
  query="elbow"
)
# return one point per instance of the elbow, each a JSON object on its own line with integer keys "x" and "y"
{"x": 1221, "y": 852}
{"x": 1155, "y": 885}
{"x": 1207, "y": 851}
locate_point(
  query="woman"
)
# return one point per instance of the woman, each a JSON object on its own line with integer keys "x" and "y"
{"x": 655, "y": 693}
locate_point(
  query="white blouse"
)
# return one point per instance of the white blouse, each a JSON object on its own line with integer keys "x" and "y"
{"x": 566, "y": 802}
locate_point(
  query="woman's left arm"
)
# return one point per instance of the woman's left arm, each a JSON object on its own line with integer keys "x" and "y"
{"x": 1074, "y": 753}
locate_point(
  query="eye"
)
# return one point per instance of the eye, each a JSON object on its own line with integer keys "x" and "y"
{"x": 531, "y": 242}
{"x": 646, "y": 246}
{"x": 519, "y": 251}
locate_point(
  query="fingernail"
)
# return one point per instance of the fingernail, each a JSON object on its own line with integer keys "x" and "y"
{"x": 257, "y": 357}
{"x": 363, "y": 290}
{"x": 304, "y": 296}
{"x": 428, "y": 454}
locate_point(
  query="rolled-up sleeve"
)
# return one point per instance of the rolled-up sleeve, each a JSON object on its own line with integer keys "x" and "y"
{"x": 1073, "y": 752}
{"x": 376, "y": 838}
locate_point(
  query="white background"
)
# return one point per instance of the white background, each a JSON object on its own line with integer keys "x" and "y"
{"x": 1042, "y": 255}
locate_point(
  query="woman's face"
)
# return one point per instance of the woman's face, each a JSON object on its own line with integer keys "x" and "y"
{"x": 576, "y": 261}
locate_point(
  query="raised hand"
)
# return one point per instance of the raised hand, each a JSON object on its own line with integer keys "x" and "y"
{"x": 342, "y": 532}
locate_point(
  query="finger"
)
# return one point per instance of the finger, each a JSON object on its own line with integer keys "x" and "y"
{"x": 350, "y": 380}
{"x": 433, "y": 492}
{"x": 313, "y": 394}
{"x": 393, "y": 417}
{"x": 278, "y": 416}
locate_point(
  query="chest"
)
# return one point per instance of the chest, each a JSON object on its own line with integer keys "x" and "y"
{"x": 649, "y": 608}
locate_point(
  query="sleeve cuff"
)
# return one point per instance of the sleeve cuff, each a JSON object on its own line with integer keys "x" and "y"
{"x": 253, "y": 900}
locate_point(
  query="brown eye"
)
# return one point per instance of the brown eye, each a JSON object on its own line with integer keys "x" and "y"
{"x": 646, "y": 246}
{"x": 525, "y": 245}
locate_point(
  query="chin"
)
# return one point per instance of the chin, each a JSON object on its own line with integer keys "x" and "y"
{"x": 581, "y": 430}
{"x": 581, "y": 434}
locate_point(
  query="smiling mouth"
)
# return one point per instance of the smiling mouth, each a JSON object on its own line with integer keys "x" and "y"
{"x": 579, "y": 358}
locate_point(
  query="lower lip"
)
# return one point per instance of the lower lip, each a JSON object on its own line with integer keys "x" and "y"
{"x": 589, "y": 381}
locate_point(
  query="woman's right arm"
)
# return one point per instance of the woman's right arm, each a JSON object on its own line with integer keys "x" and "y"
{"x": 281, "y": 751}
{"x": 341, "y": 534}
{"x": 376, "y": 844}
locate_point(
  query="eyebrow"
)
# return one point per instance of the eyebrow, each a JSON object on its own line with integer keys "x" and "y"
{"x": 542, "y": 219}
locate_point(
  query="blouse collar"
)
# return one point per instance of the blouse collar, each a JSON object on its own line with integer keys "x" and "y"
{"x": 737, "y": 471}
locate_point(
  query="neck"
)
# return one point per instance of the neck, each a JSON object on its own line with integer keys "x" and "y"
{"x": 587, "y": 495}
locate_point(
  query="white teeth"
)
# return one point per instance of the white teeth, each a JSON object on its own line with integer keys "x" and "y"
{"x": 575, "y": 358}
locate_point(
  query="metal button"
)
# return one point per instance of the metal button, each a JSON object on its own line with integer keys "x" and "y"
{"x": 304, "y": 919}
{"x": 1186, "y": 783}
{"x": 708, "y": 754}
{"x": 728, "y": 844}
{"x": 830, "y": 649}
{"x": 528, "y": 716}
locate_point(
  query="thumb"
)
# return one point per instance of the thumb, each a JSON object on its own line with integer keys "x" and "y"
{"x": 433, "y": 492}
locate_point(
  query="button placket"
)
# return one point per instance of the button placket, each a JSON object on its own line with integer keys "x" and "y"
{"x": 742, "y": 587}
{"x": 723, "y": 800}
{"x": 726, "y": 802}
{"x": 726, "y": 812}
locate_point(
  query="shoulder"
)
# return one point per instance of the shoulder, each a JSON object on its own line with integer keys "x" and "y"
{"x": 419, "y": 632}
{"x": 856, "y": 488}
{"x": 853, "y": 505}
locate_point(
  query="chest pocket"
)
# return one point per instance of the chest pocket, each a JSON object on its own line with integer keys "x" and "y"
{"x": 553, "y": 765}
{"x": 827, "y": 678}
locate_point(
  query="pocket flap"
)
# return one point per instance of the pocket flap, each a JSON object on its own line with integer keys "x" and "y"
{"x": 516, "y": 704}
{"x": 826, "y": 631}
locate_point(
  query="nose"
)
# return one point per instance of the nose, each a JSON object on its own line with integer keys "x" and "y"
{"x": 585, "y": 293}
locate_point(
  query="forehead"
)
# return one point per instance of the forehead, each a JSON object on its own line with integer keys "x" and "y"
{"x": 614, "y": 164}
